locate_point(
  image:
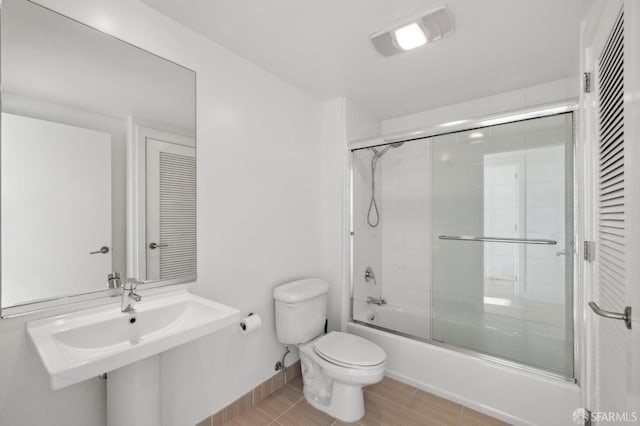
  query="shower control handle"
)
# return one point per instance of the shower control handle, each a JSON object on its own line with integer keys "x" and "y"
{"x": 369, "y": 275}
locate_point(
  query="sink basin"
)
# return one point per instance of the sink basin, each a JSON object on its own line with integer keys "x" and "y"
{"x": 84, "y": 344}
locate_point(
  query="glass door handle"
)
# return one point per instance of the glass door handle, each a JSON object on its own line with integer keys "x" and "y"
{"x": 624, "y": 316}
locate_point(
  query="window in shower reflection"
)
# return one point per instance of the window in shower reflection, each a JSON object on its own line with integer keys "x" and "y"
{"x": 518, "y": 203}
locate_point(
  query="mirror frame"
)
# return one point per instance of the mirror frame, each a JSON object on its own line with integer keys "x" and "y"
{"x": 106, "y": 296}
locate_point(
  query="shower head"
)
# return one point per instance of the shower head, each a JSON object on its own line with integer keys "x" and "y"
{"x": 386, "y": 148}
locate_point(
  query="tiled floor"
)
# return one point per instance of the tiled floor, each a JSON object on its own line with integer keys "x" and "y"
{"x": 387, "y": 403}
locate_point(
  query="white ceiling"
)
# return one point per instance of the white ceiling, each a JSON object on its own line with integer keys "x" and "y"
{"x": 323, "y": 46}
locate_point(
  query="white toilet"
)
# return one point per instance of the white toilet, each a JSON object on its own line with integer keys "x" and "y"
{"x": 335, "y": 366}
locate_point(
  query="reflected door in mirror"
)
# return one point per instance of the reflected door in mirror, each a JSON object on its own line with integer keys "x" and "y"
{"x": 171, "y": 210}
{"x": 56, "y": 208}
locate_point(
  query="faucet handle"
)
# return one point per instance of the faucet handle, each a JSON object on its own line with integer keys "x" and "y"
{"x": 132, "y": 282}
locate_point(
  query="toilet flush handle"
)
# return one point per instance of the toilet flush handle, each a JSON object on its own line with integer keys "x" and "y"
{"x": 291, "y": 305}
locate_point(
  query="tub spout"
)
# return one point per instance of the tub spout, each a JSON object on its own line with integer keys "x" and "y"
{"x": 376, "y": 301}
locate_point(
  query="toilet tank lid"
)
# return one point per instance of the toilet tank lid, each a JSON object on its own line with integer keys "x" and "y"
{"x": 297, "y": 291}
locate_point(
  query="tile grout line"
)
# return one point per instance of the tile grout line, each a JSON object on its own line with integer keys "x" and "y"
{"x": 460, "y": 415}
{"x": 390, "y": 400}
{"x": 386, "y": 399}
{"x": 263, "y": 412}
{"x": 415, "y": 392}
{"x": 293, "y": 387}
{"x": 411, "y": 409}
{"x": 290, "y": 407}
{"x": 428, "y": 416}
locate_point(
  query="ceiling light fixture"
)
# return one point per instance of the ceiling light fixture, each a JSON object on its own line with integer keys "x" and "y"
{"x": 418, "y": 30}
{"x": 410, "y": 36}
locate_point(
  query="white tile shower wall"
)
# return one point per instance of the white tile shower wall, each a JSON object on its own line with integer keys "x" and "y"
{"x": 405, "y": 206}
{"x": 550, "y": 92}
{"x": 367, "y": 240}
{"x": 259, "y": 224}
{"x": 457, "y": 210}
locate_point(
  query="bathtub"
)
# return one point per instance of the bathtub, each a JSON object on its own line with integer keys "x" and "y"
{"x": 409, "y": 321}
{"x": 508, "y": 393}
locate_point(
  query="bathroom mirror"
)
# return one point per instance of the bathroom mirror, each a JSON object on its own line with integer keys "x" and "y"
{"x": 98, "y": 162}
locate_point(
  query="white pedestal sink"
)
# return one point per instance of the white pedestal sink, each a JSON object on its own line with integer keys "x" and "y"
{"x": 84, "y": 344}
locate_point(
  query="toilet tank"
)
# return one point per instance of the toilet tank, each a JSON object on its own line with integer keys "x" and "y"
{"x": 301, "y": 310}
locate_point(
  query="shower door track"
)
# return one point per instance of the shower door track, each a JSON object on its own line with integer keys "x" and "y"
{"x": 467, "y": 125}
{"x": 540, "y": 111}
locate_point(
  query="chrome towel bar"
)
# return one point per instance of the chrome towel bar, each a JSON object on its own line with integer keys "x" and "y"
{"x": 496, "y": 239}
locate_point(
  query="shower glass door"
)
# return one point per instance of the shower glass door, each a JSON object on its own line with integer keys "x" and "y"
{"x": 503, "y": 242}
{"x": 466, "y": 239}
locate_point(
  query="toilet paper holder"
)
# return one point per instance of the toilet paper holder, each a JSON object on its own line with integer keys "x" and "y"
{"x": 243, "y": 326}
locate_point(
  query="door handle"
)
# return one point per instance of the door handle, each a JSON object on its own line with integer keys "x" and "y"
{"x": 154, "y": 246}
{"x": 624, "y": 316}
{"x": 101, "y": 250}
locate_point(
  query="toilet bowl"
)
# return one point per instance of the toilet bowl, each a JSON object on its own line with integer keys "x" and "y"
{"x": 335, "y": 366}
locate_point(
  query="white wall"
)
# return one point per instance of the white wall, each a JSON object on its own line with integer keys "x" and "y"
{"x": 259, "y": 224}
{"x": 343, "y": 120}
{"x": 359, "y": 123}
{"x": 553, "y": 91}
{"x": 334, "y": 160}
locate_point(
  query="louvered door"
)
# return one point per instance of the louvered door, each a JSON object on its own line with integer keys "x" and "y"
{"x": 171, "y": 211}
{"x": 614, "y": 263}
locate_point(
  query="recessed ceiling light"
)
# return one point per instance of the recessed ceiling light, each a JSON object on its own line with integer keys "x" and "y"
{"x": 410, "y": 36}
{"x": 415, "y": 31}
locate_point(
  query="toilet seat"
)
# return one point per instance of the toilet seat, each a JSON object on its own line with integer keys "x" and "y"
{"x": 348, "y": 350}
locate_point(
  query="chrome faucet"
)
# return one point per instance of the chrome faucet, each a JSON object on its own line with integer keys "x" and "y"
{"x": 376, "y": 301}
{"x": 129, "y": 295}
{"x": 113, "y": 280}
